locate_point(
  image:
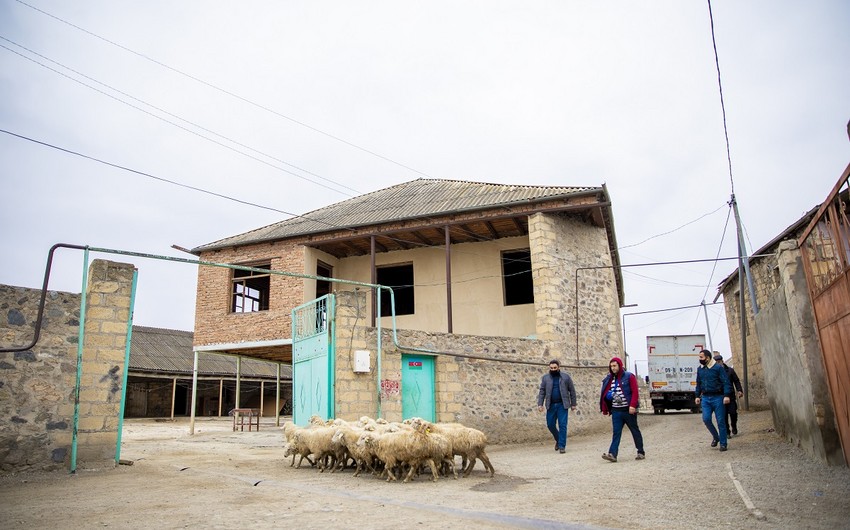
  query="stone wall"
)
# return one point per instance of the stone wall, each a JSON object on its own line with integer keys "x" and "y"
{"x": 37, "y": 386}
{"x": 794, "y": 374}
{"x": 490, "y": 383}
{"x": 562, "y": 244}
{"x": 766, "y": 280}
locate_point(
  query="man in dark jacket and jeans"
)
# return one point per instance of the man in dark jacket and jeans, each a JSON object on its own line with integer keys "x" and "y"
{"x": 558, "y": 394}
{"x": 619, "y": 398}
{"x": 712, "y": 390}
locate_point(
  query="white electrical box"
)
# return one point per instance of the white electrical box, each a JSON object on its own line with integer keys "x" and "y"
{"x": 361, "y": 361}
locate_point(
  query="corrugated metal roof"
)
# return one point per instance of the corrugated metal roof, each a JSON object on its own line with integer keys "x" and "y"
{"x": 169, "y": 351}
{"x": 410, "y": 200}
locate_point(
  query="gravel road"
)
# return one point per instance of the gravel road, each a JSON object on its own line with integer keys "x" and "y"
{"x": 221, "y": 479}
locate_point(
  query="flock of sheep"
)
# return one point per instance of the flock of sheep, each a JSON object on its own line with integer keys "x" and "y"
{"x": 381, "y": 447}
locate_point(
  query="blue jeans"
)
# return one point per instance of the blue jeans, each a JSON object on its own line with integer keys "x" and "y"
{"x": 558, "y": 413}
{"x": 714, "y": 405}
{"x": 619, "y": 418}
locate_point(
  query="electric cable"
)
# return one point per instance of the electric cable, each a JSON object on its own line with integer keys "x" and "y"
{"x": 229, "y": 93}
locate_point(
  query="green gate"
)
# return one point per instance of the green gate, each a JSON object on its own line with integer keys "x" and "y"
{"x": 313, "y": 348}
{"x": 417, "y": 387}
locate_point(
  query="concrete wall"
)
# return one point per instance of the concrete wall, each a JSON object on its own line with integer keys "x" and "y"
{"x": 794, "y": 374}
{"x": 37, "y": 386}
{"x": 499, "y": 398}
{"x": 478, "y": 306}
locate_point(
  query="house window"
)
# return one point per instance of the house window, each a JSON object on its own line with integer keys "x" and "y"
{"x": 400, "y": 278}
{"x": 323, "y": 287}
{"x": 251, "y": 289}
{"x": 516, "y": 275}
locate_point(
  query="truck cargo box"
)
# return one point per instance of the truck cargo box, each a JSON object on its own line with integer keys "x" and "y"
{"x": 673, "y": 361}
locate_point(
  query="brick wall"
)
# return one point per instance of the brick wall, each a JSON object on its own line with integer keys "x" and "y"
{"x": 214, "y": 321}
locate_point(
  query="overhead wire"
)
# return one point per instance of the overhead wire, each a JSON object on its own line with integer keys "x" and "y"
{"x": 175, "y": 116}
{"x": 229, "y": 93}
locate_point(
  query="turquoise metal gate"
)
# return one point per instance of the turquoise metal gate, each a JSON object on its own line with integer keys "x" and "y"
{"x": 313, "y": 348}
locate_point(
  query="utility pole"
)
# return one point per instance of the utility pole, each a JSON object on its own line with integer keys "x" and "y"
{"x": 707, "y": 327}
{"x": 744, "y": 272}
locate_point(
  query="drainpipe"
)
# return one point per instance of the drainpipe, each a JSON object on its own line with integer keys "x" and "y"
{"x": 126, "y": 367}
{"x": 81, "y": 336}
{"x": 378, "y": 355}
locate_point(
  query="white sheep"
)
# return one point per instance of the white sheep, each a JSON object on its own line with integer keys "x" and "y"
{"x": 409, "y": 447}
{"x": 348, "y": 436}
{"x": 467, "y": 442}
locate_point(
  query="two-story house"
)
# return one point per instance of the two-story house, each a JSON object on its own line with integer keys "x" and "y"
{"x": 489, "y": 282}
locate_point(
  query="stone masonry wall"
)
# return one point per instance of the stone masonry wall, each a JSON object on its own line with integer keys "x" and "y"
{"x": 794, "y": 373}
{"x": 496, "y": 397}
{"x": 766, "y": 279}
{"x": 37, "y": 386}
{"x": 107, "y": 315}
{"x": 561, "y": 244}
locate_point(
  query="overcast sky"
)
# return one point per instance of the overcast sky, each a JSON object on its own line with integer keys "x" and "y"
{"x": 297, "y": 105}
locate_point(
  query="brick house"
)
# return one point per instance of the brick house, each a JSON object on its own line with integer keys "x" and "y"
{"x": 489, "y": 282}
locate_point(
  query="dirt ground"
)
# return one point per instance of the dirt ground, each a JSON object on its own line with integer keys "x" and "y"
{"x": 221, "y": 479}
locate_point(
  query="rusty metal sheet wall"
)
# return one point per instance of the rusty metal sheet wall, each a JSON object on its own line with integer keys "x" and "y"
{"x": 834, "y": 333}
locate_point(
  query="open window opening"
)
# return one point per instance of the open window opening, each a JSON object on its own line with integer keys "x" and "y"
{"x": 516, "y": 277}
{"x": 323, "y": 287}
{"x": 400, "y": 278}
{"x": 251, "y": 289}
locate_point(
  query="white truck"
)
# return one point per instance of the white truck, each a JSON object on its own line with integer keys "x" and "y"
{"x": 673, "y": 361}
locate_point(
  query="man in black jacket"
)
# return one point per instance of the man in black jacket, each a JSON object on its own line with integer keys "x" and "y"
{"x": 712, "y": 392}
{"x": 558, "y": 395}
{"x": 732, "y": 407}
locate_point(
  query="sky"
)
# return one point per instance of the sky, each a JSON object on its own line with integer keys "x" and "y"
{"x": 289, "y": 106}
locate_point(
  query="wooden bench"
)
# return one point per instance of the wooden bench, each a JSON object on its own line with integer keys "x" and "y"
{"x": 240, "y": 415}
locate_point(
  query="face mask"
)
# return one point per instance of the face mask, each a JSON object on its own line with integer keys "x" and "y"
{"x": 703, "y": 361}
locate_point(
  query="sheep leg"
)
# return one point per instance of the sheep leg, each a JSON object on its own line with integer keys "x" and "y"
{"x": 469, "y": 467}
{"x": 433, "y": 470}
{"x": 486, "y": 461}
{"x": 450, "y": 464}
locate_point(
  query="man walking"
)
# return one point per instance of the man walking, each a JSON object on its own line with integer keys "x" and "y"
{"x": 712, "y": 393}
{"x": 732, "y": 407}
{"x": 619, "y": 398}
{"x": 558, "y": 394}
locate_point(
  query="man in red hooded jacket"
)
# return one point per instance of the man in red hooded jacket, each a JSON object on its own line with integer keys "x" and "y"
{"x": 619, "y": 398}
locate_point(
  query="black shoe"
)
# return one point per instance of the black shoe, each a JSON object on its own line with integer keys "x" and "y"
{"x": 734, "y": 432}
{"x": 556, "y": 446}
{"x": 562, "y": 450}
{"x": 722, "y": 447}
{"x": 714, "y": 443}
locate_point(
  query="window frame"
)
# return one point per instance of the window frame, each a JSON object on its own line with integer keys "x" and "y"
{"x": 517, "y": 286}
{"x": 243, "y": 285}
{"x": 405, "y": 293}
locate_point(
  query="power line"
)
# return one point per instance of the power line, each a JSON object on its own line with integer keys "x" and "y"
{"x": 174, "y": 115}
{"x": 215, "y": 194}
{"x": 227, "y": 92}
{"x": 671, "y": 231}
{"x": 722, "y": 103}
